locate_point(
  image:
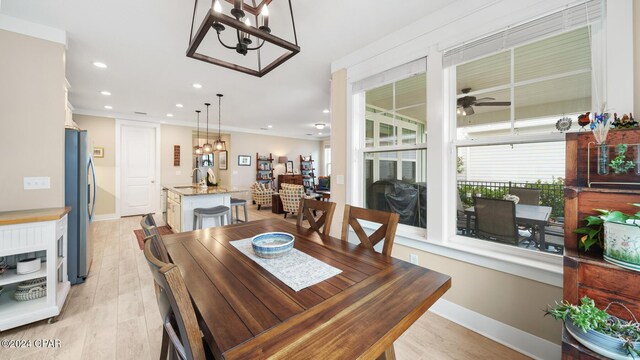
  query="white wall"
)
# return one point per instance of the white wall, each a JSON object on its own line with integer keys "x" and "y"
{"x": 507, "y": 163}
{"x": 241, "y": 177}
{"x": 32, "y": 115}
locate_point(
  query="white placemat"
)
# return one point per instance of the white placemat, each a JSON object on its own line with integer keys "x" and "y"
{"x": 296, "y": 269}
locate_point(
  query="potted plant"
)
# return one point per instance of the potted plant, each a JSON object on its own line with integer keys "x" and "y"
{"x": 597, "y": 330}
{"x": 617, "y": 233}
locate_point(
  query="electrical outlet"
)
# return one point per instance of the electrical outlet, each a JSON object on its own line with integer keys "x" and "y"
{"x": 35, "y": 183}
{"x": 413, "y": 258}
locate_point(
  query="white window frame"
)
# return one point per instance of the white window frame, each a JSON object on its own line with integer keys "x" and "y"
{"x": 428, "y": 38}
{"x": 359, "y": 116}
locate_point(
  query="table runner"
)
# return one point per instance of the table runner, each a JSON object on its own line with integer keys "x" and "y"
{"x": 296, "y": 269}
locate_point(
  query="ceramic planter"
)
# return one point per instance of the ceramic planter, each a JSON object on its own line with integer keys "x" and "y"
{"x": 622, "y": 245}
{"x": 600, "y": 343}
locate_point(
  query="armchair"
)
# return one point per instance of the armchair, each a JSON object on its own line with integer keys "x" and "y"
{"x": 290, "y": 196}
{"x": 261, "y": 194}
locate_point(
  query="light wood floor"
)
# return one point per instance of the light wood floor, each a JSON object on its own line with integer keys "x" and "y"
{"x": 113, "y": 315}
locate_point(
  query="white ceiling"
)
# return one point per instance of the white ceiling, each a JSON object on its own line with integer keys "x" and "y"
{"x": 143, "y": 42}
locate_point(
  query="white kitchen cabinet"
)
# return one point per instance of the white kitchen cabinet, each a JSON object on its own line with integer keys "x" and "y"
{"x": 25, "y": 232}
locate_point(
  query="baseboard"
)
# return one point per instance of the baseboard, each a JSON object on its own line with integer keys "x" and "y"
{"x": 103, "y": 217}
{"x": 516, "y": 339}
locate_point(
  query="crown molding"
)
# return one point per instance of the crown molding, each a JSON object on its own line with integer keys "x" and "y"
{"x": 32, "y": 29}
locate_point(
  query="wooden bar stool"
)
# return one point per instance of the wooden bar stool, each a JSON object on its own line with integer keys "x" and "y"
{"x": 219, "y": 212}
{"x": 235, "y": 203}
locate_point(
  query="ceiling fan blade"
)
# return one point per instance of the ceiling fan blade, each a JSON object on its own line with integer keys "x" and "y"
{"x": 497, "y": 103}
{"x": 485, "y": 99}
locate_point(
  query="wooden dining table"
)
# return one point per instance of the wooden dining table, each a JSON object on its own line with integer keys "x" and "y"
{"x": 245, "y": 312}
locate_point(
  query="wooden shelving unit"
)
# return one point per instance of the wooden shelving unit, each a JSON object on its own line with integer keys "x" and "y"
{"x": 264, "y": 169}
{"x": 307, "y": 170}
{"x": 586, "y": 273}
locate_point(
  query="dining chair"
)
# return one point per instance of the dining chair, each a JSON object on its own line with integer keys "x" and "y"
{"x": 527, "y": 196}
{"x": 176, "y": 310}
{"x": 308, "y": 209}
{"x": 496, "y": 220}
{"x": 151, "y": 233}
{"x": 387, "y": 230}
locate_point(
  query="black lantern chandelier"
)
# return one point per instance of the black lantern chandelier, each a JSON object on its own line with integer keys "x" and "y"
{"x": 240, "y": 21}
{"x": 219, "y": 145}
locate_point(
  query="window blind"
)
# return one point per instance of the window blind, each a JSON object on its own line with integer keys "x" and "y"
{"x": 569, "y": 18}
{"x": 400, "y": 72}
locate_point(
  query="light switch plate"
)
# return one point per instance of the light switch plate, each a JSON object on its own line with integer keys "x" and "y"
{"x": 413, "y": 258}
{"x": 340, "y": 179}
{"x": 178, "y": 172}
{"x": 35, "y": 183}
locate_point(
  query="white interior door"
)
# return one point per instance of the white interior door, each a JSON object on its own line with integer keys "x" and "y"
{"x": 138, "y": 170}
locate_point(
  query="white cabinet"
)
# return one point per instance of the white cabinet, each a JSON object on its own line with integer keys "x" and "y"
{"x": 26, "y": 232}
{"x": 174, "y": 211}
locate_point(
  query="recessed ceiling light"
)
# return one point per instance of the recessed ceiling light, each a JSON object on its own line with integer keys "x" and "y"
{"x": 105, "y": 93}
{"x": 319, "y": 133}
{"x": 319, "y": 126}
{"x": 169, "y": 115}
{"x": 197, "y": 86}
{"x": 99, "y": 64}
{"x": 326, "y": 111}
{"x": 179, "y": 105}
{"x": 108, "y": 107}
{"x": 269, "y": 126}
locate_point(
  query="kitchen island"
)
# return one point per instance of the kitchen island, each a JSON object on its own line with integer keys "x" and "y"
{"x": 182, "y": 199}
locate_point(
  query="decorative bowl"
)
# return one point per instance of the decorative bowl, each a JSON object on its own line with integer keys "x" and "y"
{"x": 272, "y": 244}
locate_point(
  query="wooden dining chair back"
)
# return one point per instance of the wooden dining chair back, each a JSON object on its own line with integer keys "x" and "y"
{"x": 309, "y": 209}
{"x": 387, "y": 230}
{"x": 152, "y": 234}
{"x": 496, "y": 220}
{"x": 176, "y": 309}
{"x": 527, "y": 196}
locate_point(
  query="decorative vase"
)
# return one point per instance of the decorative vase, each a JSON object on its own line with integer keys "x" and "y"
{"x": 622, "y": 245}
{"x": 600, "y": 343}
{"x": 603, "y": 159}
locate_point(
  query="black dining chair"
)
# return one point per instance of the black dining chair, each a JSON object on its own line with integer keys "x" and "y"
{"x": 496, "y": 220}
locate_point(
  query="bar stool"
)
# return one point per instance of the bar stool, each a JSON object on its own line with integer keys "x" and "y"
{"x": 235, "y": 203}
{"x": 219, "y": 212}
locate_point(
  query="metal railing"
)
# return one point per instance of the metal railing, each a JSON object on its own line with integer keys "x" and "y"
{"x": 552, "y": 194}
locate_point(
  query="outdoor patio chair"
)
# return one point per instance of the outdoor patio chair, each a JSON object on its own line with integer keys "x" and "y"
{"x": 461, "y": 218}
{"x": 496, "y": 220}
{"x": 527, "y": 196}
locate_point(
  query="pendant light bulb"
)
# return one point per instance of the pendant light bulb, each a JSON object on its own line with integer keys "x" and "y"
{"x": 197, "y": 150}
{"x": 219, "y": 146}
{"x": 264, "y": 11}
{"x": 217, "y": 7}
{"x": 207, "y": 148}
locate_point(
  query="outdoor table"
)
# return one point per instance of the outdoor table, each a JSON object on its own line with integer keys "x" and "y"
{"x": 534, "y": 215}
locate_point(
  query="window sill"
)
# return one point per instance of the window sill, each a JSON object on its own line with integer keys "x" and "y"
{"x": 538, "y": 266}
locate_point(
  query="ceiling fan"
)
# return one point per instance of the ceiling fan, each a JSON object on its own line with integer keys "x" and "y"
{"x": 465, "y": 104}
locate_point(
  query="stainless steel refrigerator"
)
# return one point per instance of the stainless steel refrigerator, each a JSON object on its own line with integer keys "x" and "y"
{"x": 80, "y": 194}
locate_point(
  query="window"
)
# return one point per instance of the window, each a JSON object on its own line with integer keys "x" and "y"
{"x": 327, "y": 160}
{"x": 519, "y": 91}
{"x": 394, "y": 154}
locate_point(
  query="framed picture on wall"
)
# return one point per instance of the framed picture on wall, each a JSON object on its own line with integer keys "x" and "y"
{"x": 98, "y": 152}
{"x": 244, "y": 160}
{"x": 222, "y": 160}
{"x": 289, "y": 167}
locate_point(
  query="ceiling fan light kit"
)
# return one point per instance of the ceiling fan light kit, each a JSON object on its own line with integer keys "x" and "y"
{"x": 240, "y": 20}
{"x": 466, "y": 103}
